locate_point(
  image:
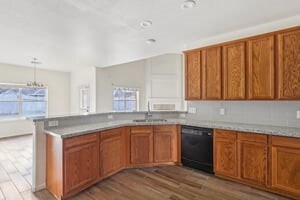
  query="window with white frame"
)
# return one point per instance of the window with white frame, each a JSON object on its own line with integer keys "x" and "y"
{"x": 125, "y": 99}
{"x": 20, "y": 101}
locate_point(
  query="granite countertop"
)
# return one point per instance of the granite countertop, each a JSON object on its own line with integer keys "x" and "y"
{"x": 81, "y": 129}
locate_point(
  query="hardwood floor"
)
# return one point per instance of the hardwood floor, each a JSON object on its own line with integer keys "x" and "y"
{"x": 167, "y": 182}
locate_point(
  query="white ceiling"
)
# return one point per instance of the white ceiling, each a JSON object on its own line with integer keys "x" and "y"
{"x": 69, "y": 34}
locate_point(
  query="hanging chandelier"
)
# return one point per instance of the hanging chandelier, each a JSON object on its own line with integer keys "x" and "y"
{"x": 35, "y": 84}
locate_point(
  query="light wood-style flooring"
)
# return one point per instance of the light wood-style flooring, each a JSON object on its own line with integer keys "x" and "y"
{"x": 156, "y": 183}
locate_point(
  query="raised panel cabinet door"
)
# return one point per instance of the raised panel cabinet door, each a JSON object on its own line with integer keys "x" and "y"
{"x": 234, "y": 68}
{"x": 81, "y": 164}
{"x": 112, "y": 152}
{"x": 192, "y": 76}
{"x": 225, "y": 161}
{"x": 289, "y": 65}
{"x": 211, "y": 73}
{"x": 286, "y": 170}
{"x": 261, "y": 68}
{"x": 165, "y": 144}
{"x": 253, "y": 162}
{"x": 141, "y": 147}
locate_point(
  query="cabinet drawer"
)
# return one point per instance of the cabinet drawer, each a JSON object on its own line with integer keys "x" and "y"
{"x": 225, "y": 134}
{"x": 141, "y": 129}
{"x": 165, "y": 128}
{"x": 286, "y": 142}
{"x": 79, "y": 140}
{"x": 253, "y": 137}
{"x": 110, "y": 133}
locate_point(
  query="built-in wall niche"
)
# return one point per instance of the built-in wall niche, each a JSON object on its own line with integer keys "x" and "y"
{"x": 84, "y": 94}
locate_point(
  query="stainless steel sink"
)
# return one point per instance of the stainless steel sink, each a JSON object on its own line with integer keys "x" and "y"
{"x": 149, "y": 120}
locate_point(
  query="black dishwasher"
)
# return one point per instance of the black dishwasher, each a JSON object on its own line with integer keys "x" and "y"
{"x": 197, "y": 148}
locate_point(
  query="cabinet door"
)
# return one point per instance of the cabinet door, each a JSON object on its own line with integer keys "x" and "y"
{"x": 285, "y": 165}
{"x": 225, "y": 153}
{"x": 165, "y": 144}
{"x": 141, "y": 145}
{"x": 112, "y": 149}
{"x": 234, "y": 71}
{"x": 192, "y": 76}
{"x": 289, "y": 65}
{"x": 261, "y": 67}
{"x": 211, "y": 73}
{"x": 253, "y": 162}
{"x": 81, "y": 166}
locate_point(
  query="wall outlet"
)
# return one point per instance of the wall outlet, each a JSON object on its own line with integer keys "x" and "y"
{"x": 222, "y": 111}
{"x": 192, "y": 110}
{"x": 52, "y": 123}
{"x": 298, "y": 114}
{"x": 110, "y": 116}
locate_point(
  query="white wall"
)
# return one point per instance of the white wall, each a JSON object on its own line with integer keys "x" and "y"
{"x": 80, "y": 78}
{"x": 58, "y": 94}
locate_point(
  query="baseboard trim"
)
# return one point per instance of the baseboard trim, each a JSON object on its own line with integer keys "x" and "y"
{"x": 39, "y": 187}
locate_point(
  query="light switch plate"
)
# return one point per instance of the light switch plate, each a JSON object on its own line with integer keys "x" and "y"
{"x": 298, "y": 114}
{"x": 222, "y": 111}
{"x": 52, "y": 123}
{"x": 192, "y": 110}
{"x": 110, "y": 116}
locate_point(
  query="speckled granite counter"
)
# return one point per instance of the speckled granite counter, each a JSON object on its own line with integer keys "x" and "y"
{"x": 76, "y": 130}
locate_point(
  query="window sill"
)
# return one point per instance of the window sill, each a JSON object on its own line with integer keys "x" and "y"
{"x": 13, "y": 119}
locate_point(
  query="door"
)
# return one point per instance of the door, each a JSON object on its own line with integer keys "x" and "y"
{"x": 141, "y": 145}
{"x": 289, "y": 65}
{"x": 225, "y": 153}
{"x": 234, "y": 68}
{"x": 211, "y": 74}
{"x": 261, "y": 68}
{"x": 80, "y": 166}
{"x": 192, "y": 76}
{"x": 112, "y": 149}
{"x": 165, "y": 144}
{"x": 253, "y": 162}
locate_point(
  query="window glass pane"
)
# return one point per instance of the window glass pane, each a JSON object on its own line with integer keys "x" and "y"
{"x": 130, "y": 95}
{"x": 119, "y": 105}
{"x": 34, "y": 108}
{"x": 131, "y": 105}
{"x": 31, "y": 94}
{"x": 118, "y": 94}
{"x": 9, "y": 108}
{"x": 9, "y": 94}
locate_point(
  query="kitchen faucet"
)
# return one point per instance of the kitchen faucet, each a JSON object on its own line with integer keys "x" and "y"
{"x": 148, "y": 114}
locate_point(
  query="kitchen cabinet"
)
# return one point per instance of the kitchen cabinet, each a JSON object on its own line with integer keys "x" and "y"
{"x": 81, "y": 162}
{"x": 141, "y": 145}
{"x": 261, "y": 68}
{"x": 165, "y": 144}
{"x": 253, "y": 158}
{"x": 289, "y": 65}
{"x": 211, "y": 73}
{"x": 225, "y": 153}
{"x": 193, "y": 75}
{"x": 112, "y": 151}
{"x": 285, "y": 165}
{"x": 234, "y": 71}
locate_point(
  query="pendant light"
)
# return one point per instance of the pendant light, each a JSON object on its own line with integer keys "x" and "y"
{"x": 35, "y": 84}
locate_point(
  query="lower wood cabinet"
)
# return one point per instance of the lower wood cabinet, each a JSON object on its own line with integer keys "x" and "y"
{"x": 112, "y": 151}
{"x": 285, "y": 165}
{"x": 165, "y": 144}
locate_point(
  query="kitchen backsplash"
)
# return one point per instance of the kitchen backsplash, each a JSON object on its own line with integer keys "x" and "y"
{"x": 278, "y": 113}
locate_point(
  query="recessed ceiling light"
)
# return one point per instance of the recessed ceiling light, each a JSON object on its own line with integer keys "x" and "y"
{"x": 146, "y": 23}
{"x": 188, "y": 4}
{"x": 150, "y": 41}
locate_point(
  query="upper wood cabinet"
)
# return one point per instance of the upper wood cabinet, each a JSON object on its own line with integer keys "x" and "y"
{"x": 253, "y": 158}
{"x": 112, "y": 151}
{"x": 81, "y": 162}
{"x": 234, "y": 68}
{"x": 141, "y": 145}
{"x": 225, "y": 153}
{"x": 211, "y": 73}
{"x": 289, "y": 65}
{"x": 165, "y": 144}
{"x": 193, "y": 76}
{"x": 285, "y": 165}
{"x": 261, "y": 68}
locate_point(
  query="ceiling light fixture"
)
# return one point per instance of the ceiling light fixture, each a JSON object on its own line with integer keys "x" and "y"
{"x": 150, "y": 41}
{"x": 188, "y": 4}
{"x": 146, "y": 24}
{"x": 35, "y": 84}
